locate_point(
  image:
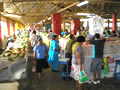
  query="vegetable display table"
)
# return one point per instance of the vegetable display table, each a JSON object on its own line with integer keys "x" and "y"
{"x": 12, "y": 70}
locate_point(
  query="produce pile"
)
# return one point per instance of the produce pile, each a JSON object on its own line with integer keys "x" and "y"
{"x": 15, "y": 50}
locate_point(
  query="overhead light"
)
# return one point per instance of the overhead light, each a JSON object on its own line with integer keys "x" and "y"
{"x": 43, "y": 20}
{"x": 83, "y": 19}
{"x": 82, "y": 3}
{"x": 107, "y": 19}
{"x": 49, "y": 18}
{"x": 40, "y": 22}
{"x": 91, "y": 15}
{"x": 85, "y": 14}
{"x": 70, "y": 17}
{"x": 12, "y": 15}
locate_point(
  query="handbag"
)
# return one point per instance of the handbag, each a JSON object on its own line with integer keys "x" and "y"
{"x": 83, "y": 77}
{"x": 34, "y": 66}
{"x": 33, "y": 69}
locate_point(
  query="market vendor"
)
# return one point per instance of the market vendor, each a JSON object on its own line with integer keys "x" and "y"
{"x": 68, "y": 51}
{"x": 51, "y": 34}
{"x": 33, "y": 39}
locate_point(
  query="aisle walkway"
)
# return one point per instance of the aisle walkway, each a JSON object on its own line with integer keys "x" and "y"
{"x": 50, "y": 81}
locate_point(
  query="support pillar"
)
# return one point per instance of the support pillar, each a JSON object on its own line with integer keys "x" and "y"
{"x": 75, "y": 24}
{"x": 14, "y": 27}
{"x": 114, "y": 22}
{"x": 56, "y": 23}
{"x": 63, "y": 26}
{"x": 8, "y": 26}
{"x": 0, "y": 33}
{"x": 108, "y": 28}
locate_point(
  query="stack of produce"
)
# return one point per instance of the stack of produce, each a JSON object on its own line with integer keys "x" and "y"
{"x": 15, "y": 50}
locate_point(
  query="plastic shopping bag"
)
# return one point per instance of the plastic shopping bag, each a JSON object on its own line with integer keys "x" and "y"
{"x": 83, "y": 77}
{"x": 106, "y": 68}
{"x": 34, "y": 66}
{"x": 33, "y": 69}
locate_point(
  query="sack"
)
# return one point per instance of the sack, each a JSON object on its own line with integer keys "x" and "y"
{"x": 34, "y": 66}
{"x": 83, "y": 77}
{"x": 33, "y": 69}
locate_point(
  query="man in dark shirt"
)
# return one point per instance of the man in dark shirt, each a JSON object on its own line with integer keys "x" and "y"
{"x": 96, "y": 64}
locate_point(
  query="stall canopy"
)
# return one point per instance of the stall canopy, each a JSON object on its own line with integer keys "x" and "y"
{"x": 31, "y": 12}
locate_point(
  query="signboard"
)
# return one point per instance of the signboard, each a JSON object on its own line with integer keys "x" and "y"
{"x": 96, "y": 25}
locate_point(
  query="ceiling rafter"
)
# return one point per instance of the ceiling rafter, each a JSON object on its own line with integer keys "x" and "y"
{"x": 31, "y": 8}
{"x": 10, "y": 7}
{"x": 6, "y": 5}
{"x": 17, "y": 8}
{"x": 105, "y": 1}
{"x": 47, "y": 1}
{"x": 69, "y": 6}
{"x": 63, "y": 9}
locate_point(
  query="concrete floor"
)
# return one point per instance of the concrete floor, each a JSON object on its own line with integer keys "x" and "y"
{"x": 50, "y": 81}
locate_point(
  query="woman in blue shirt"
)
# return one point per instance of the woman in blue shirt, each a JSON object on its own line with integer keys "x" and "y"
{"x": 53, "y": 53}
{"x": 40, "y": 52}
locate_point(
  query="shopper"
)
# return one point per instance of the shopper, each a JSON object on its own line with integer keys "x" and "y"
{"x": 33, "y": 39}
{"x": 97, "y": 60}
{"x": 53, "y": 53}
{"x": 40, "y": 54}
{"x": 50, "y": 35}
{"x": 114, "y": 34}
{"x": 66, "y": 32}
{"x": 77, "y": 60}
{"x": 68, "y": 51}
{"x": 109, "y": 34}
{"x": 78, "y": 32}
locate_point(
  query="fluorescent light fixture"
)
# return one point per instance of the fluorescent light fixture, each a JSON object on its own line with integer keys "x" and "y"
{"x": 40, "y": 22}
{"x": 67, "y": 24}
{"x": 49, "y": 18}
{"x": 85, "y": 14}
{"x": 43, "y": 20}
{"x": 12, "y": 15}
{"x": 91, "y": 15}
{"x": 84, "y": 20}
{"x": 70, "y": 17}
{"x": 82, "y": 3}
{"x": 107, "y": 19}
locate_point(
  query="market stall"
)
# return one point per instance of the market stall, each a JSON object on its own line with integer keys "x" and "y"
{"x": 111, "y": 49}
{"x": 13, "y": 59}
